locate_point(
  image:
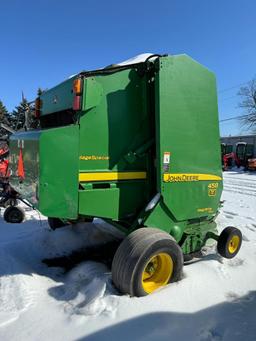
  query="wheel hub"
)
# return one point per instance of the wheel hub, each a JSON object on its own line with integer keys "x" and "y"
{"x": 233, "y": 244}
{"x": 157, "y": 272}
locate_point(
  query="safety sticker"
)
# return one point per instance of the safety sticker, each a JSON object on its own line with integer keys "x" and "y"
{"x": 166, "y": 161}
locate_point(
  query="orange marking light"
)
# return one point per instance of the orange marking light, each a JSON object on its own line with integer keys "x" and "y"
{"x": 77, "y": 86}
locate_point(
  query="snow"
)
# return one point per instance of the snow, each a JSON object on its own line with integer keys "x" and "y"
{"x": 215, "y": 300}
{"x": 140, "y": 58}
{"x": 137, "y": 59}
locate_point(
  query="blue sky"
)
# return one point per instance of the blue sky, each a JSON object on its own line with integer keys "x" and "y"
{"x": 43, "y": 42}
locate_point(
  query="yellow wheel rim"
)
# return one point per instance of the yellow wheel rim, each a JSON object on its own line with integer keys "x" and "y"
{"x": 233, "y": 244}
{"x": 157, "y": 272}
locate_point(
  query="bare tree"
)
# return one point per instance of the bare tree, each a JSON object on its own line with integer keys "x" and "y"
{"x": 248, "y": 104}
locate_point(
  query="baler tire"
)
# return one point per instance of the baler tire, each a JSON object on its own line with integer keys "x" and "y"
{"x": 14, "y": 215}
{"x": 55, "y": 223}
{"x": 88, "y": 220}
{"x": 146, "y": 260}
{"x": 229, "y": 242}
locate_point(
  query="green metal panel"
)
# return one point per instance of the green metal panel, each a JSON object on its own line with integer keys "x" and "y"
{"x": 92, "y": 93}
{"x": 115, "y": 123}
{"x": 58, "y": 192}
{"x": 58, "y": 98}
{"x": 187, "y": 128}
{"x": 50, "y": 159}
{"x": 99, "y": 202}
{"x": 162, "y": 218}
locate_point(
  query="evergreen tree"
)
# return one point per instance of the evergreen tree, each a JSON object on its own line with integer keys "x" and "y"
{"x": 39, "y": 91}
{"x": 21, "y": 118}
{"x": 3, "y": 111}
{"x": 4, "y": 118}
{"x": 34, "y": 123}
{"x": 22, "y": 114}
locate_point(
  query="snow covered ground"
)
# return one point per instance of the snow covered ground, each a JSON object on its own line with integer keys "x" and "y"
{"x": 215, "y": 300}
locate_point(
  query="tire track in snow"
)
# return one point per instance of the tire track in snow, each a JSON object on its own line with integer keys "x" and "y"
{"x": 239, "y": 192}
{"x": 238, "y": 179}
{"x": 241, "y": 185}
{"x": 249, "y": 190}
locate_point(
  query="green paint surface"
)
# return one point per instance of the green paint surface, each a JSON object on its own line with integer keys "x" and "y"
{"x": 58, "y": 98}
{"x": 50, "y": 159}
{"x": 187, "y": 127}
{"x": 129, "y": 119}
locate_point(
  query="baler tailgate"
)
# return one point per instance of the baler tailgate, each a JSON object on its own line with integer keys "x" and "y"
{"x": 189, "y": 173}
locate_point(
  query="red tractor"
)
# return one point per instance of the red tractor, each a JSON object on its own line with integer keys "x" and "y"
{"x": 8, "y": 196}
{"x": 228, "y": 161}
{"x": 243, "y": 153}
{"x": 4, "y": 152}
{"x": 226, "y": 152}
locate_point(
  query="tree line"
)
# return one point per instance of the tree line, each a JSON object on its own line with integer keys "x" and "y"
{"x": 21, "y": 118}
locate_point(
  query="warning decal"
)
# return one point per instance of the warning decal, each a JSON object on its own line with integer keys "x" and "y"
{"x": 166, "y": 161}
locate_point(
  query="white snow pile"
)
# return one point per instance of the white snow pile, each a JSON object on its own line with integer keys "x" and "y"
{"x": 136, "y": 59}
{"x": 215, "y": 300}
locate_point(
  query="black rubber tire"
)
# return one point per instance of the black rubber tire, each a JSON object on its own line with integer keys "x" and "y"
{"x": 14, "y": 215}
{"x": 224, "y": 240}
{"x": 134, "y": 253}
{"x": 88, "y": 220}
{"x": 55, "y": 223}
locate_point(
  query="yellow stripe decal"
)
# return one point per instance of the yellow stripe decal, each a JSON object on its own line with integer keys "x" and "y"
{"x": 189, "y": 177}
{"x": 111, "y": 176}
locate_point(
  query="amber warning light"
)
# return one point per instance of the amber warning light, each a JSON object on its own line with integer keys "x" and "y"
{"x": 77, "y": 91}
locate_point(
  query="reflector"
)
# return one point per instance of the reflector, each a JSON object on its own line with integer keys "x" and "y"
{"x": 77, "y": 103}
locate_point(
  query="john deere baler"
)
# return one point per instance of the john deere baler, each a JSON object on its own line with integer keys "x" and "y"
{"x": 136, "y": 145}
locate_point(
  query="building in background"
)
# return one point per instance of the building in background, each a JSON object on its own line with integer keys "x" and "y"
{"x": 233, "y": 140}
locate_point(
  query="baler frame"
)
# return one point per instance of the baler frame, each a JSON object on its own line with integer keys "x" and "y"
{"x": 130, "y": 134}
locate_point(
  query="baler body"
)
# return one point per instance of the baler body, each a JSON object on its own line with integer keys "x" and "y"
{"x": 142, "y": 150}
